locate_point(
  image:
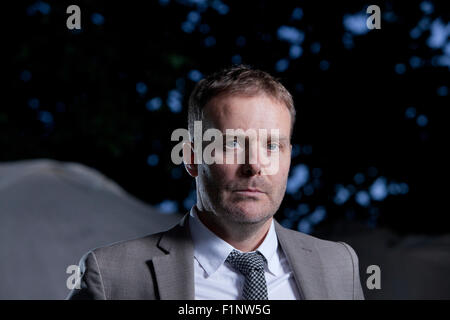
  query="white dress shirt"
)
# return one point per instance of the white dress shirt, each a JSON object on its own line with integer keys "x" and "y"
{"x": 216, "y": 280}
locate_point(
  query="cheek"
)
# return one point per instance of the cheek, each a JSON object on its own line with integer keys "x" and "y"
{"x": 218, "y": 177}
{"x": 283, "y": 174}
{"x": 286, "y": 167}
{"x": 222, "y": 171}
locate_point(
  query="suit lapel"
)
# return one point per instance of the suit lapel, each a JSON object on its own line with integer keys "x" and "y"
{"x": 305, "y": 263}
{"x": 174, "y": 270}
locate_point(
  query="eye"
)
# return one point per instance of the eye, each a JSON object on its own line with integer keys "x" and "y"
{"x": 273, "y": 146}
{"x": 232, "y": 143}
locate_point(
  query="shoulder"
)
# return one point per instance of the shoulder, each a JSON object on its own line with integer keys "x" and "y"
{"x": 141, "y": 248}
{"x": 125, "y": 248}
{"x": 328, "y": 250}
{"x": 123, "y": 254}
{"x": 105, "y": 271}
{"x": 333, "y": 263}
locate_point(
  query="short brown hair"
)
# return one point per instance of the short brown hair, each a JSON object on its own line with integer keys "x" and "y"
{"x": 236, "y": 80}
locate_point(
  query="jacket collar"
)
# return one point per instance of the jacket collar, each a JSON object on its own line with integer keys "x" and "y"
{"x": 305, "y": 262}
{"x": 174, "y": 269}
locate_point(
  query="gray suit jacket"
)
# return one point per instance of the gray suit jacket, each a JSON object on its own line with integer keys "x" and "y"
{"x": 161, "y": 266}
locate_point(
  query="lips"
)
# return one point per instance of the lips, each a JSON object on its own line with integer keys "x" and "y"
{"x": 250, "y": 190}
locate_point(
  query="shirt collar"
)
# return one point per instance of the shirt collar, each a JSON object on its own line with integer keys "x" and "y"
{"x": 212, "y": 251}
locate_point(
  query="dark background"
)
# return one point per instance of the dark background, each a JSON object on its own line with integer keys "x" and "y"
{"x": 371, "y": 129}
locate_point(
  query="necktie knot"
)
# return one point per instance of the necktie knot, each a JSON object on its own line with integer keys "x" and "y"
{"x": 251, "y": 265}
{"x": 246, "y": 262}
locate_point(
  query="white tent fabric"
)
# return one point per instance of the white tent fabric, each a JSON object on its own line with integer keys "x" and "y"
{"x": 51, "y": 213}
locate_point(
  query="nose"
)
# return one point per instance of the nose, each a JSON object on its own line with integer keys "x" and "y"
{"x": 252, "y": 169}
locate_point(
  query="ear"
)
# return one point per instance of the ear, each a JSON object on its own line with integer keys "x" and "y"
{"x": 188, "y": 159}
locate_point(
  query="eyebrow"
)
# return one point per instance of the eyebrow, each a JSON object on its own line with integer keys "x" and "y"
{"x": 281, "y": 138}
{"x": 284, "y": 141}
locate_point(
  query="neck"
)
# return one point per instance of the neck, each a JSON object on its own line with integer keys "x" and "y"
{"x": 244, "y": 237}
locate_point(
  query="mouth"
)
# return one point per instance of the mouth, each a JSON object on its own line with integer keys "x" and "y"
{"x": 249, "y": 192}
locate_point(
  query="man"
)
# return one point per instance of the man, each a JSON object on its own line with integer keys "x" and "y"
{"x": 229, "y": 246}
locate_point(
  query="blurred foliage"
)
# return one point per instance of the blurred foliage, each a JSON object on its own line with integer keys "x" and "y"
{"x": 110, "y": 95}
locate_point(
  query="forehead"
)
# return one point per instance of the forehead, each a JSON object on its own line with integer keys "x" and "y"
{"x": 246, "y": 112}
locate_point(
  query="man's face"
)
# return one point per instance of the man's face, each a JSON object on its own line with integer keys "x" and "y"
{"x": 221, "y": 187}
